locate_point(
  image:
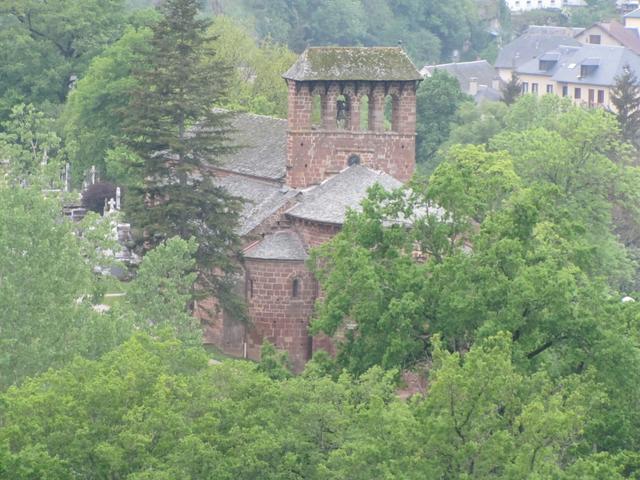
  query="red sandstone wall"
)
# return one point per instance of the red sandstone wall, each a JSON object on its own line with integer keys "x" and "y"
{"x": 277, "y": 317}
{"x": 314, "y": 234}
{"x": 314, "y": 156}
{"x": 219, "y": 328}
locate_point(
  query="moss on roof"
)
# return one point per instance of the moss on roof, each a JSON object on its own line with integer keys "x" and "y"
{"x": 353, "y": 63}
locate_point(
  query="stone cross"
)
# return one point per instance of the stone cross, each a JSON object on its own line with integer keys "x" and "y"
{"x": 112, "y": 205}
{"x": 118, "y": 194}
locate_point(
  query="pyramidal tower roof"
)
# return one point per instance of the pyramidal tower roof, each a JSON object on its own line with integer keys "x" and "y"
{"x": 353, "y": 63}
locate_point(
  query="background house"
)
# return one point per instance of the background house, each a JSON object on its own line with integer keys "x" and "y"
{"x": 611, "y": 33}
{"x": 530, "y": 45}
{"x": 584, "y": 73}
{"x": 478, "y": 79}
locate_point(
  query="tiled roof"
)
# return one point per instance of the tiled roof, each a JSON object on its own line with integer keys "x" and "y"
{"x": 285, "y": 245}
{"x": 262, "y": 143}
{"x": 329, "y": 201}
{"x": 353, "y": 63}
{"x": 262, "y": 199}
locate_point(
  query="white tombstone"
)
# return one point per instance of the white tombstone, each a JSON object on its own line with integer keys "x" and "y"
{"x": 112, "y": 205}
{"x": 118, "y": 193}
{"x": 93, "y": 174}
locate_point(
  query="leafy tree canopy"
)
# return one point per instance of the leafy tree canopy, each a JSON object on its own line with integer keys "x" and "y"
{"x": 155, "y": 409}
{"x": 58, "y": 37}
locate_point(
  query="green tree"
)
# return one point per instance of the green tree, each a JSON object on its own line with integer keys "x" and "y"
{"x": 512, "y": 89}
{"x": 162, "y": 291}
{"x": 372, "y": 282}
{"x": 153, "y": 409}
{"x": 172, "y": 126}
{"x": 93, "y": 115}
{"x": 49, "y": 43}
{"x": 256, "y": 81}
{"x": 46, "y": 315}
{"x": 438, "y": 99}
{"x": 625, "y": 96}
{"x": 477, "y": 123}
{"x": 31, "y": 147}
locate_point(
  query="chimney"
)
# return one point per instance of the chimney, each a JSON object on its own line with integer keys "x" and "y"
{"x": 495, "y": 83}
{"x": 473, "y": 86}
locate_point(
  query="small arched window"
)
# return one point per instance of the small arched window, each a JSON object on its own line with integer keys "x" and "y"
{"x": 364, "y": 113}
{"x": 295, "y": 288}
{"x": 316, "y": 112}
{"x": 353, "y": 160}
{"x": 343, "y": 112}
{"x": 389, "y": 113}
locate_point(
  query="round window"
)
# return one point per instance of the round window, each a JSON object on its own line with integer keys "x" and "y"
{"x": 353, "y": 160}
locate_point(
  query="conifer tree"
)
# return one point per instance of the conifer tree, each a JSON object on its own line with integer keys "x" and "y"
{"x": 172, "y": 126}
{"x": 512, "y": 90}
{"x": 625, "y": 96}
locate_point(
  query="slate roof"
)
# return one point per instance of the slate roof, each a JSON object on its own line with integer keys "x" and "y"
{"x": 353, "y": 63}
{"x": 262, "y": 199}
{"x": 633, "y": 14}
{"x": 554, "y": 30}
{"x": 530, "y": 45}
{"x": 486, "y": 93}
{"x": 628, "y": 37}
{"x": 329, "y": 201}
{"x": 559, "y": 55}
{"x": 285, "y": 245}
{"x": 263, "y": 146}
{"x": 482, "y": 70}
{"x": 611, "y": 61}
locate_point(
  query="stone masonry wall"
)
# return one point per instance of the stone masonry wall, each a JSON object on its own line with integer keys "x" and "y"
{"x": 312, "y": 233}
{"x": 313, "y": 156}
{"x": 276, "y": 315}
{"x": 314, "y": 153}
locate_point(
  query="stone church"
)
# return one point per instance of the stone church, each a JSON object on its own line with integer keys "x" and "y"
{"x": 351, "y": 124}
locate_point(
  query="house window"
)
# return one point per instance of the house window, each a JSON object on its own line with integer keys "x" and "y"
{"x": 595, "y": 39}
{"x": 295, "y": 288}
{"x": 525, "y": 87}
{"x": 600, "y": 97}
{"x": 565, "y": 91}
{"x": 577, "y": 93}
{"x": 249, "y": 292}
{"x": 534, "y": 88}
{"x": 549, "y": 88}
{"x": 592, "y": 96}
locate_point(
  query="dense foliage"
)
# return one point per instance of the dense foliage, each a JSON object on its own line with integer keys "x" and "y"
{"x": 431, "y": 30}
{"x": 153, "y": 409}
{"x": 516, "y": 236}
{"x": 174, "y": 129}
{"x": 498, "y": 281}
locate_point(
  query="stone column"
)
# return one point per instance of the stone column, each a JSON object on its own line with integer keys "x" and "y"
{"x": 329, "y": 111}
{"x": 300, "y": 106}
